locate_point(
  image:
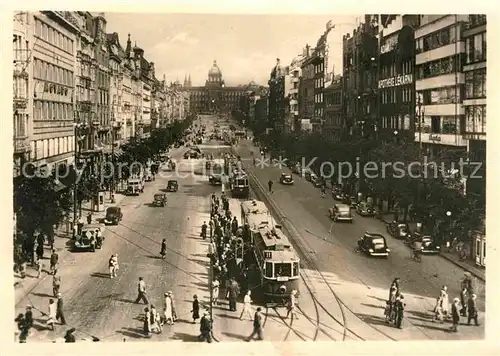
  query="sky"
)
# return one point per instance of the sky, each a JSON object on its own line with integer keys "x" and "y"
{"x": 245, "y": 46}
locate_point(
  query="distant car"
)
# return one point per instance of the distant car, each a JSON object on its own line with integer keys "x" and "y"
{"x": 398, "y": 230}
{"x": 364, "y": 209}
{"x": 290, "y": 164}
{"x": 373, "y": 244}
{"x": 113, "y": 215}
{"x": 296, "y": 168}
{"x": 337, "y": 194}
{"x": 307, "y": 174}
{"x": 172, "y": 186}
{"x": 351, "y": 201}
{"x": 160, "y": 199}
{"x": 428, "y": 245}
{"x": 286, "y": 179}
{"x": 194, "y": 154}
{"x": 340, "y": 212}
{"x": 316, "y": 181}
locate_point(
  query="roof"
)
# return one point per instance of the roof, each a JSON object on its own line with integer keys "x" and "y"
{"x": 254, "y": 207}
{"x": 274, "y": 238}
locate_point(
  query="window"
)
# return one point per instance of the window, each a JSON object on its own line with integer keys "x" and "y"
{"x": 478, "y": 83}
{"x": 295, "y": 268}
{"x": 469, "y": 84}
{"x": 476, "y": 48}
{"x": 45, "y": 110}
{"x": 435, "y": 124}
{"x": 435, "y": 68}
{"x": 45, "y": 30}
{"x": 269, "y": 270}
{"x": 38, "y": 28}
{"x": 50, "y": 37}
{"x": 50, "y": 111}
{"x": 449, "y": 125}
{"x": 447, "y": 95}
{"x": 476, "y": 20}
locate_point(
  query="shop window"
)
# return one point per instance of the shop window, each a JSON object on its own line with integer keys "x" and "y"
{"x": 435, "y": 124}
{"x": 449, "y": 125}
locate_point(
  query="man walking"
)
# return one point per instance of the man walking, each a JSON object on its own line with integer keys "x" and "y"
{"x": 257, "y": 326}
{"x": 472, "y": 310}
{"x": 59, "y": 311}
{"x": 455, "y": 314}
{"x": 270, "y": 185}
{"x": 234, "y": 292}
{"x": 205, "y": 328}
{"x": 54, "y": 259}
{"x": 112, "y": 266}
{"x": 141, "y": 292}
{"x": 247, "y": 306}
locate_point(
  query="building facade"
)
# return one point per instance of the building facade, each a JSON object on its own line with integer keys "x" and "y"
{"x": 279, "y": 102}
{"x": 293, "y": 119}
{"x": 440, "y": 81}
{"x": 475, "y": 101}
{"x": 22, "y": 100}
{"x": 117, "y": 86}
{"x": 307, "y": 91}
{"x": 333, "y": 109}
{"x": 215, "y": 96}
{"x": 54, "y": 69}
{"x": 396, "y": 78}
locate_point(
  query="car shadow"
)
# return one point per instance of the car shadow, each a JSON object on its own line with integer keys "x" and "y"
{"x": 155, "y": 257}
{"x": 134, "y": 333}
{"x": 235, "y": 336}
{"x": 100, "y": 275}
{"x": 125, "y": 300}
{"x": 228, "y": 316}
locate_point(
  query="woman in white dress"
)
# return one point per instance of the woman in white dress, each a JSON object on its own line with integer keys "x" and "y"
{"x": 52, "y": 314}
{"x": 168, "y": 310}
{"x": 445, "y": 302}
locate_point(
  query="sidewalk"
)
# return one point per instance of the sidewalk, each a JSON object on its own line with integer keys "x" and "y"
{"x": 450, "y": 256}
{"x": 23, "y": 287}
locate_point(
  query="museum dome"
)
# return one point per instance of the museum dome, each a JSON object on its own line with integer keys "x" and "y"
{"x": 214, "y": 71}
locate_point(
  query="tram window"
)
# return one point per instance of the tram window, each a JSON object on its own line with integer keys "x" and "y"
{"x": 269, "y": 269}
{"x": 240, "y": 182}
{"x": 282, "y": 269}
{"x": 295, "y": 268}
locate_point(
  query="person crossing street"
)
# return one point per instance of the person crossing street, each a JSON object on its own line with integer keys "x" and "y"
{"x": 247, "y": 306}
{"x": 141, "y": 292}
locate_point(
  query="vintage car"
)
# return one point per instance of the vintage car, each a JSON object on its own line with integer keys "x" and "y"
{"x": 296, "y": 168}
{"x": 351, "y": 201}
{"x": 307, "y": 173}
{"x": 215, "y": 179}
{"x": 286, "y": 179}
{"x": 89, "y": 239}
{"x": 427, "y": 243}
{"x": 317, "y": 181}
{"x": 160, "y": 199}
{"x": 398, "y": 230}
{"x": 337, "y": 194}
{"x": 172, "y": 186}
{"x": 113, "y": 215}
{"x": 364, "y": 209}
{"x": 373, "y": 244}
{"x": 340, "y": 212}
{"x": 135, "y": 186}
{"x": 290, "y": 164}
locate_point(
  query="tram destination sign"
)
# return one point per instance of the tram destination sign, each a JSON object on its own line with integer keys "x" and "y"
{"x": 395, "y": 81}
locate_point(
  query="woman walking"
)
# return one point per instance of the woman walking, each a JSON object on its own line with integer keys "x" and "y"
{"x": 445, "y": 301}
{"x": 196, "y": 309}
{"x": 52, "y": 314}
{"x": 163, "y": 251}
{"x": 168, "y": 310}
{"x": 147, "y": 323}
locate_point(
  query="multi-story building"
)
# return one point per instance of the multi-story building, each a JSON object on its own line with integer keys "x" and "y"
{"x": 262, "y": 111}
{"x": 54, "y": 63}
{"x": 294, "y": 71}
{"x": 147, "y": 75}
{"x": 474, "y": 102}
{"x": 440, "y": 54}
{"x": 118, "y": 86}
{"x": 279, "y": 106}
{"x": 333, "y": 109}
{"x": 396, "y": 79}
{"x": 22, "y": 100}
{"x": 215, "y": 96}
{"x": 307, "y": 90}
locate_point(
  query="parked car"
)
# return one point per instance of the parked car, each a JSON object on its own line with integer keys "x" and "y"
{"x": 317, "y": 181}
{"x": 160, "y": 199}
{"x": 373, "y": 244}
{"x": 307, "y": 173}
{"x": 290, "y": 164}
{"x": 296, "y": 168}
{"x": 364, "y": 209}
{"x": 340, "y": 212}
{"x": 113, "y": 215}
{"x": 398, "y": 230}
{"x": 286, "y": 179}
{"x": 337, "y": 194}
{"x": 351, "y": 201}
{"x": 172, "y": 186}
{"x": 88, "y": 239}
{"x": 428, "y": 245}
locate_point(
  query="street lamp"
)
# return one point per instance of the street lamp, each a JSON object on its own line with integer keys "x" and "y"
{"x": 448, "y": 214}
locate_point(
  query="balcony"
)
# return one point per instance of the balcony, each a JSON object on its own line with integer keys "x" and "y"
{"x": 441, "y": 52}
{"x": 21, "y": 144}
{"x": 446, "y": 80}
{"x": 441, "y": 139}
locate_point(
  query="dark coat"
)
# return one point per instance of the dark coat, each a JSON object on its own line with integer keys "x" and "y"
{"x": 234, "y": 290}
{"x": 205, "y": 325}
{"x": 257, "y": 320}
{"x": 455, "y": 315}
{"x": 196, "y": 309}
{"x": 60, "y": 304}
{"x": 471, "y": 307}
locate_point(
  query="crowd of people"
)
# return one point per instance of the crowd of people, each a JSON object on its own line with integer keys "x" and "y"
{"x": 463, "y": 306}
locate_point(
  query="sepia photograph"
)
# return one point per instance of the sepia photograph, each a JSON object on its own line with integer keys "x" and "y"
{"x": 222, "y": 178}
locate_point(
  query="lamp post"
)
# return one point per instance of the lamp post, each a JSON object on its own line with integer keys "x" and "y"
{"x": 76, "y": 131}
{"x": 419, "y": 113}
{"x": 448, "y": 214}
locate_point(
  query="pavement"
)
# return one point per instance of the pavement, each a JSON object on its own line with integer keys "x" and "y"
{"x": 99, "y": 306}
{"x": 361, "y": 283}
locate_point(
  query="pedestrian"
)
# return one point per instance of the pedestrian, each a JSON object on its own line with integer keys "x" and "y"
{"x": 28, "y": 317}
{"x": 215, "y": 290}
{"x": 472, "y": 310}
{"x": 258, "y": 328}
{"x": 445, "y": 301}
{"x": 112, "y": 266}
{"x": 79, "y": 226}
{"x": 455, "y": 314}
{"x": 155, "y": 320}
{"x": 196, "y": 309}
{"x": 54, "y": 259}
{"x": 20, "y": 333}
{"x": 22, "y": 270}
{"x": 234, "y": 292}
{"x": 203, "y": 233}
{"x": 247, "y": 306}
{"x": 89, "y": 218}
{"x": 147, "y": 323}
{"x": 39, "y": 267}
{"x": 56, "y": 284}
{"x": 163, "y": 250}
{"x": 69, "y": 337}
{"x": 117, "y": 264}
{"x": 39, "y": 251}
{"x": 400, "y": 308}
{"x": 98, "y": 238}
{"x": 167, "y": 309}
{"x": 292, "y": 305}
{"x": 463, "y": 301}
{"x": 141, "y": 292}
{"x": 270, "y": 185}
{"x": 60, "y": 311}
{"x": 387, "y": 311}
{"x": 234, "y": 226}
{"x": 174, "y": 310}
{"x": 395, "y": 283}
{"x": 205, "y": 328}
{"x": 438, "y": 310}
{"x": 51, "y": 320}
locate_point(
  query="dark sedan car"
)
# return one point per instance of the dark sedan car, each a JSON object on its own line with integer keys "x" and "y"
{"x": 172, "y": 186}
{"x": 317, "y": 181}
{"x": 398, "y": 230}
{"x": 427, "y": 243}
{"x": 364, "y": 209}
{"x": 373, "y": 244}
{"x": 113, "y": 215}
{"x": 337, "y": 194}
{"x": 286, "y": 179}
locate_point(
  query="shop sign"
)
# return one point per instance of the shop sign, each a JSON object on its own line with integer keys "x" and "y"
{"x": 395, "y": 81}
{"x": 434, "y": 138}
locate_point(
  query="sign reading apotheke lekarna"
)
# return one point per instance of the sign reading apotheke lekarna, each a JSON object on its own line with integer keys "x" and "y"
{"x": 395, "y": 81}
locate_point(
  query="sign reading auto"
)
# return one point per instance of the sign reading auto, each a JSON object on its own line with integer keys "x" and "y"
{"x": 395, "y": 81}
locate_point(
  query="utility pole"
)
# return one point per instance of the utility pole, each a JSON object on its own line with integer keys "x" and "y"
{"x": 75, "y": 185}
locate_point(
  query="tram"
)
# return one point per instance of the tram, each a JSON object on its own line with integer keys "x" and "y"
{"x": 277, "y": 262}
{"x": 239, "y": 185}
